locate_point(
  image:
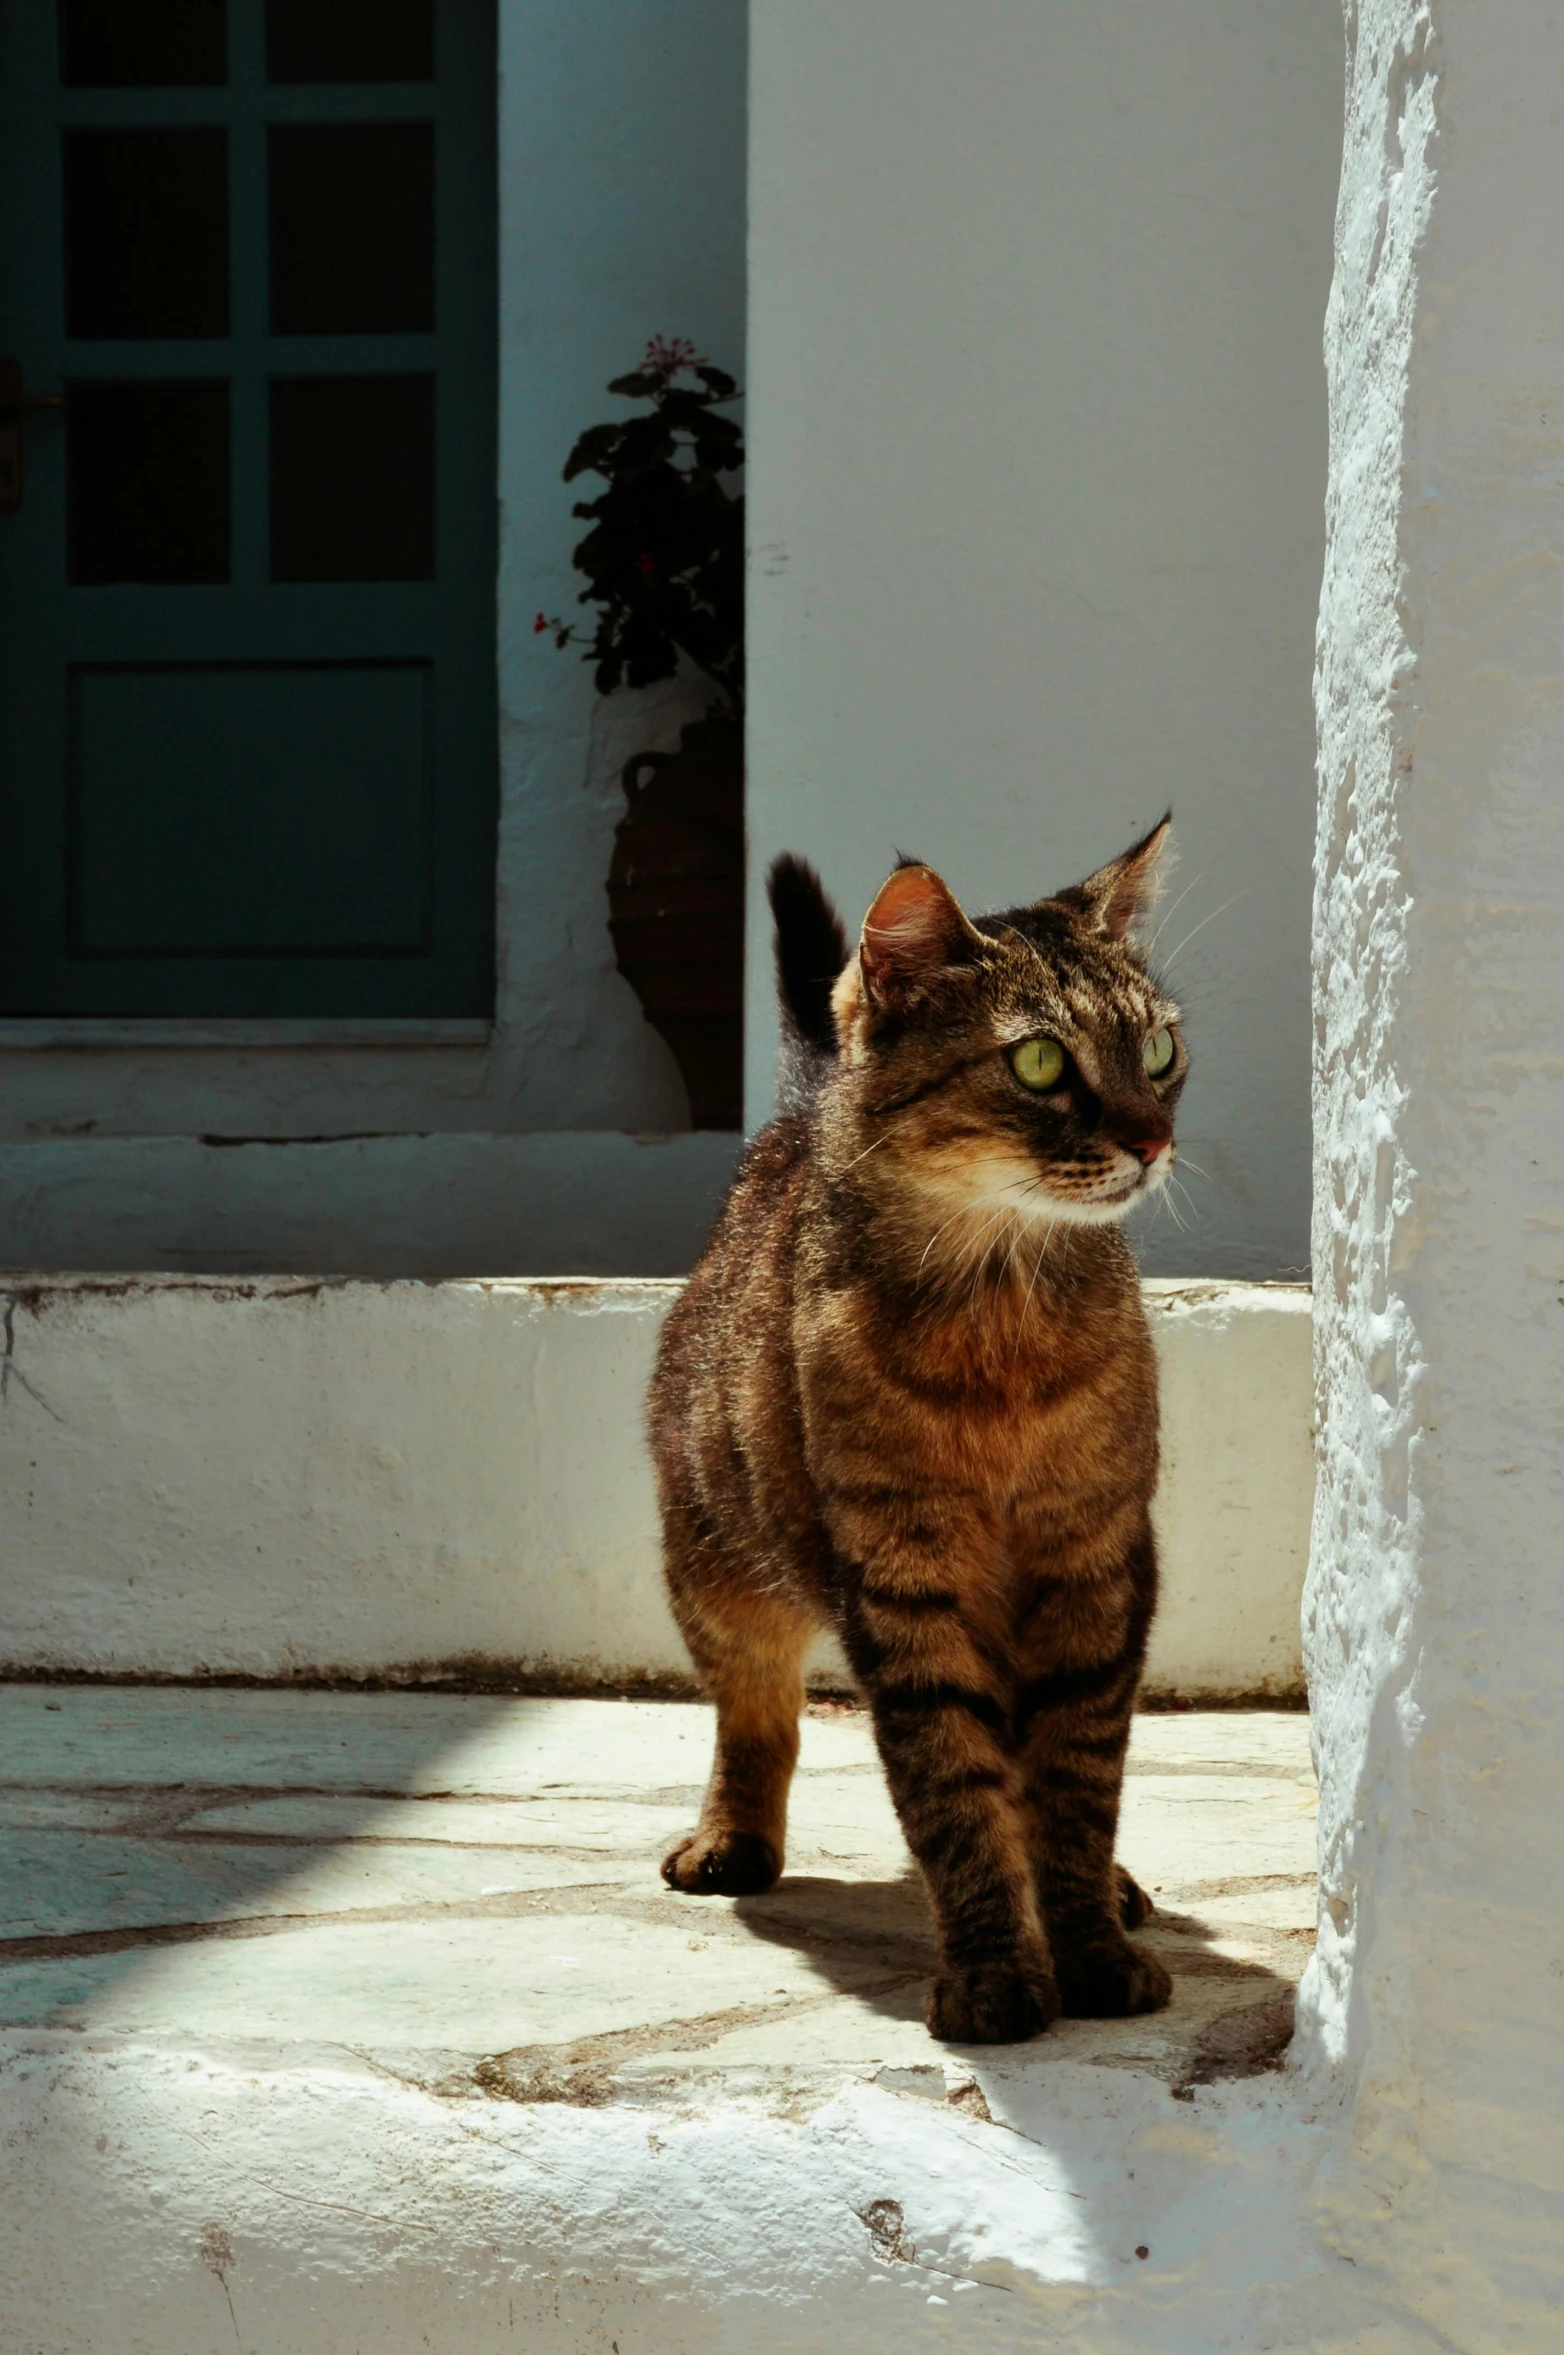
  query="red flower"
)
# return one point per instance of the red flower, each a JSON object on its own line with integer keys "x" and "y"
{"x": 666, "y": 355}
{"x": 645, "y": 563}
{"x": 539, "y": 624}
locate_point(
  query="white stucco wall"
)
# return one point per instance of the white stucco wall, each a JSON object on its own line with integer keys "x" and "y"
{"x": 1435, "y": 1615}
{"x": 435, "y": 1480}
{"x": 1037, "y": 433}
{"x": 622, "y": 214}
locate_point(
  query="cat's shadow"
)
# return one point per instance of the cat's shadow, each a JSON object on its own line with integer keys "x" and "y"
{"x": 874, "y": 1940}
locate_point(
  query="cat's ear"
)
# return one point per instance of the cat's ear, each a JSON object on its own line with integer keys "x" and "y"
{"x": 1119, "y": 898}
{"x": 913, "y": 929}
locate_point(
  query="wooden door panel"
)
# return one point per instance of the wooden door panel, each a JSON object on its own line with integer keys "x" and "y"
{"x": 264, "y": 810}
{"x": 247, "y": 692}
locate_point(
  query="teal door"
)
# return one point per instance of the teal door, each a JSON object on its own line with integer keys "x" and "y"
{"x": 247, "y": 685}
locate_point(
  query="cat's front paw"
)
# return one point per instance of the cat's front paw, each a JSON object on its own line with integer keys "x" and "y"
{"x": 722, "y": 1864}
{"x": 1111, "y": 1981}
{"x": 992, "y": 2003}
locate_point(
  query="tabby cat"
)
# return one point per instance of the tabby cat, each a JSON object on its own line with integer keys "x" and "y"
{"x": 909, "y": 1393}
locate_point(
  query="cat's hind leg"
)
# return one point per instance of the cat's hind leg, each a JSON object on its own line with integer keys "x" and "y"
{"x": 1135, "y": 1906}
{"x": 749, "y": 1648}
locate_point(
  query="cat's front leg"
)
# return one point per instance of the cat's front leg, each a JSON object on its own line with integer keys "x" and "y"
{"x": 941, "y": 1718}
{"x": 1072, "y": 1720}
{"x": 955, "y": 1791}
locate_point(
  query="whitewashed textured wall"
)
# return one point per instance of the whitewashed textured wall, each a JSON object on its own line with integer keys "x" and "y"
{"x": 1038, "y": 459}
{"x": 1435, "y": 1618}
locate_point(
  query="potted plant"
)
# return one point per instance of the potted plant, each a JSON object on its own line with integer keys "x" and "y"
{"x": 664, "y": 568}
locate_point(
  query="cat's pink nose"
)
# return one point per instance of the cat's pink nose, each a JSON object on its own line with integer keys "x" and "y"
{"x": 1145, "y": 1149}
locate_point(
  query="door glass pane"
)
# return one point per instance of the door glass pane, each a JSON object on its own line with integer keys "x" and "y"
{"x": 352, "y": 228}
{"x": 352, "y": 461}
{"x": 141, "y": 44}
{"x": 146, "y": 232}
{"x": 350, "y": 40}
{"x": 148, "y": 482}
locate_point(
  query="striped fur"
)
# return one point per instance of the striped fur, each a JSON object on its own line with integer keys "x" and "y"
{"x": 909, "y": 1393}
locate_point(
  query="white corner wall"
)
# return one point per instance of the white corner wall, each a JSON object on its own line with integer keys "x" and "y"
{"x": 1037, "y": 434}
{"x": 448, "y": 1481}
{"x": 1435, "y": 1616}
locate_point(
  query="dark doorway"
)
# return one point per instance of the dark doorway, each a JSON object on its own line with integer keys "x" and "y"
{"x": 247, "y": 687}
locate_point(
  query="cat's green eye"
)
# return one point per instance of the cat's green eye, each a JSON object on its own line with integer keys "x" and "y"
{"x": 1158, "y": 1053}
{"x": 1038, "y": 1063}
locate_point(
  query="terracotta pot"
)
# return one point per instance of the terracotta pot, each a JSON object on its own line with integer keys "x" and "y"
{"x": 676, "y": 908}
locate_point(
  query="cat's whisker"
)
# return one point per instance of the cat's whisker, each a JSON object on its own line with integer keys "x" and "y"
{"x": 1184, "y": 1162}
{"x": 1023, "y": 1230}
{"x": 1170, "y": 913}
{"x": 1007, "y": 1238}
{"x": 972, "y": 1264}
{"x": 1037, "y": 1269}
{"x": 880, "y": 1140}
{"x": 1020, "y": 1222}
{"x": 1005, "y": 1213}
{"x": 1023, "y": 1223}
{"x": 1161, "y": 1203}
{"x": 1200, "y": 927}
{"x": 939, "y": 1230}
{"x": 994, "y": 1219}
{"x": 966, "y": 1211}
{"x": 969, "y": 1257}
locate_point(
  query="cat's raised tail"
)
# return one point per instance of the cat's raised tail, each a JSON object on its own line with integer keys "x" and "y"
{"x": 811, "y": 949}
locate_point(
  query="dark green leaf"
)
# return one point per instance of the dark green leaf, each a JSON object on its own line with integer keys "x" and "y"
{"x": 594, "y": 449}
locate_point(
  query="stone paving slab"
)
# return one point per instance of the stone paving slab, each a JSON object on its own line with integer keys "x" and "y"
{"x": 470, "y": 1885}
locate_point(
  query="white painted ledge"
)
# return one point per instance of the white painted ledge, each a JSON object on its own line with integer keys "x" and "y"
{"x": 282, "y": 1477}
